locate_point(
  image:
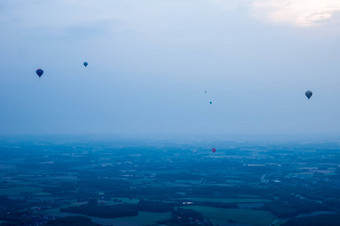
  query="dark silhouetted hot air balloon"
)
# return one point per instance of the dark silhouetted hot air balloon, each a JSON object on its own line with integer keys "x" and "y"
{"x": 39, "y": 72}
{"x": 213, "y": 150}
{"x": 210, "y": 102}
{"x": 309, "y": 94}
{"x": 85, "y": 64}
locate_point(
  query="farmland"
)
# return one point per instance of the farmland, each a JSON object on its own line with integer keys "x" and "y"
{"x": 140, "y": 183}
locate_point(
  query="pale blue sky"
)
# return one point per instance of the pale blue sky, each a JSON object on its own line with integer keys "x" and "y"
{"x": 151, "y": 61}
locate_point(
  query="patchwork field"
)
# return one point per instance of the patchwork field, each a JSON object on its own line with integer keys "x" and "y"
{"x": 243, "y": 216}
{"x": 16, "y": 191}
{"x": 228, "y": 200}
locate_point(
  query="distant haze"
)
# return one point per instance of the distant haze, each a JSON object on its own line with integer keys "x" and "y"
{"x": 150, "y": 63}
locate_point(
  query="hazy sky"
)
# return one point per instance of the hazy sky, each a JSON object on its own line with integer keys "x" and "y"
{"x": 150, "y": 62}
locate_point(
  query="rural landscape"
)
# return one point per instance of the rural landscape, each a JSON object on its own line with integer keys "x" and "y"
{"x": 169, "y": 113}
{"x": 47, "y": 181}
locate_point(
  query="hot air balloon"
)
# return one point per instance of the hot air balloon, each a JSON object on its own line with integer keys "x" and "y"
{"x": 85, "y": 64}
{"x": 39, "y": 72}
{"x": 205, "y": 91}
{"x": 309, "y": 94}
{"x": 210, "y": 102}
{"x": 213, "y": 150}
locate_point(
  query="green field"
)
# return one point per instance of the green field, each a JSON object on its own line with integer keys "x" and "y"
{"x": 42, "y": 194}
{"x": 228, "y": 200}
{"x": 15, "y": 191}
{"x": 143, "y": 218}
{"x": 243, "y": 216}
{"x": 50, "y": 211}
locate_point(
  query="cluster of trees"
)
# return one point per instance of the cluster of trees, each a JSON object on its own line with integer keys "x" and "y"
{"x": 152, "y": 206}
{"x": 9, "y": 205}
{"x": 218, "y": 204}
{"x": 293, "y": 207}
{"x": 72, "y": 221}
{"x": 329, "y": 220}
{"x": 182, "y": 217}
{"x": 122, "y": 210}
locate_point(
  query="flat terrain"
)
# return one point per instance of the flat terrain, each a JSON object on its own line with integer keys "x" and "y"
{"x": 141, "y": 183}
{"x": 243, "y": 216}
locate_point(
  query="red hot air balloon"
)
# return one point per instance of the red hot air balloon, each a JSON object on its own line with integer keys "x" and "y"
{"x": 213, "y": 150}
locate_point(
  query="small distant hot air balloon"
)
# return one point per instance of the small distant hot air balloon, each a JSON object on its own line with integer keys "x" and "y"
{"x": 85, "y": 64}
{"x": 205, "y": 91}
{"x": 213, "y": 150}
{"x": 40, "y": 72}
{"x": 210, "y": 102}
{"x": 309, "y": 94}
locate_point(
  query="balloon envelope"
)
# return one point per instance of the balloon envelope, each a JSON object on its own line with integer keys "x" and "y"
{"x": 309, "y": 94}
{"x": 210, "y": 102}
{"x": 85, "y": 64}
{"x": 213, "y": 150}
{"x": 39, "y": 72}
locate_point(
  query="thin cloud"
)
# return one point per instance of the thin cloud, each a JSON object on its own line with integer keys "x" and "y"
{"x": 302, "y": 13}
